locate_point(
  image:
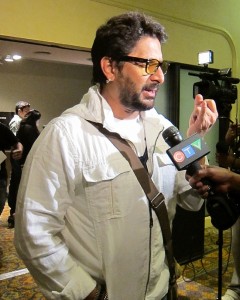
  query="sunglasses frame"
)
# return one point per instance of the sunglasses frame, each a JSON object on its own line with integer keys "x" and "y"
{"x": 163, "y": 65}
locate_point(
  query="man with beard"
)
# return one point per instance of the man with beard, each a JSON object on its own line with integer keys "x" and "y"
{"x": 84, "y": 226}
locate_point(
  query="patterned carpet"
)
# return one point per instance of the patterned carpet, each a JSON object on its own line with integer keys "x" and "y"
{"x": 20, "y": 287}
{"x": 199, "y": 279}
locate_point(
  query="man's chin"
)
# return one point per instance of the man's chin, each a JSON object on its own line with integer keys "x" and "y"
{"x": 142, "y": 105}
{"x": 148, "y": 103}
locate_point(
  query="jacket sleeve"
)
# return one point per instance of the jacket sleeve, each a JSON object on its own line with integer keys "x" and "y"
{"x": 43, "y": 199}
{"x": 188, "y": 198}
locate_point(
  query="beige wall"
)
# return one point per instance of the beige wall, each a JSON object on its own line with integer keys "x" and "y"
{"x": 192, "y": 25}
{"x": 50, "y": 88}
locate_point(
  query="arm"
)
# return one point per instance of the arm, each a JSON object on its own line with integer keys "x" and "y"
{"x": 46, "y": 193}
{"x": 11, "y": 142}
{"x": 223, "y": 180}
{"x": 17, "y": 151}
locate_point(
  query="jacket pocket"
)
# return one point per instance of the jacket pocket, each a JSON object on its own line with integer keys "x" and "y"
{"x": 110, "y": 189}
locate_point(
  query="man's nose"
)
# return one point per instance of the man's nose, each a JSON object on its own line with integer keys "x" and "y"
{"x": 158, "y": 76}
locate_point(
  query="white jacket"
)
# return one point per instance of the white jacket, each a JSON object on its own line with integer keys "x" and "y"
{"x": 83, "y": 217}
{"x": 14, "y": 124}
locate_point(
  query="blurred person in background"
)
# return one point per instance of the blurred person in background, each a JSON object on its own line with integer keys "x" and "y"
{"x": 226, "y": 179}
{"x": 21, "y": 109}
{"x": 28, "y": 132}
{"x": 230, "y": 159}
{"x": 8, "y": 141}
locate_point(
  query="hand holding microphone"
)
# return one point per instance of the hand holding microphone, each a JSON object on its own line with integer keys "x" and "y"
{"x": 185, "y": 155}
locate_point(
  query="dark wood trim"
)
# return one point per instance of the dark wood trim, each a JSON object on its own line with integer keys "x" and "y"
{"x": 174, "y": 93}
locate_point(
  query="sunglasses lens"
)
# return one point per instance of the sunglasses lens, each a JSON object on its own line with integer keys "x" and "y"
{"x": 153, "y": 65}
{"x": 164, "y": 66}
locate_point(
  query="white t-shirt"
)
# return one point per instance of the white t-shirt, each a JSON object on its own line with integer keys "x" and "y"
{"x": 133, "y": 129}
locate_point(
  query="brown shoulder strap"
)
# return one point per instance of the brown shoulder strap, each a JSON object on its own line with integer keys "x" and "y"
{"x": 156, "y": 199}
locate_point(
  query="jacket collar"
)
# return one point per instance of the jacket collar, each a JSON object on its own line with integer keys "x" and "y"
{"x": 95, "y": 108}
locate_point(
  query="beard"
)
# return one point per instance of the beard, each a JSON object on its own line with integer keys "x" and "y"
{"x": 133, "y": 100}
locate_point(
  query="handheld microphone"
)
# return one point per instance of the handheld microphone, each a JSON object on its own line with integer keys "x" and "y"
{"x": 185, "y": 155}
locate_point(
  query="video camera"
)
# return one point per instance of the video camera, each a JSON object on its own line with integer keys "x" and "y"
{"x": 217, "y": 85}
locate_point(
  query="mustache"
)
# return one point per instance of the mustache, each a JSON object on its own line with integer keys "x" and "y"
{"x": 151, "y": 87}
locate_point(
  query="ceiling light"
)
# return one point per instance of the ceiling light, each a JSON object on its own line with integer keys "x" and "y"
{"x": 8, "y": 58}
{"x": 11, "y": 58}
{"x": 16, "y": 56}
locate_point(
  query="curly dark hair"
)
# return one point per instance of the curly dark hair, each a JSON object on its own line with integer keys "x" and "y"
{"x": 118, "y": 37}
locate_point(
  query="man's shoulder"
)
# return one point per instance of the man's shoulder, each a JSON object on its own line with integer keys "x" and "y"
{"x": 65, "y": 122}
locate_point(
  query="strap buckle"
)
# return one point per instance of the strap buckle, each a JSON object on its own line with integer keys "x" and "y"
{"x": 156, "y": 201}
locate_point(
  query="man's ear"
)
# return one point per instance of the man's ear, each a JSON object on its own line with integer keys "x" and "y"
{"x": 108, "y": 68}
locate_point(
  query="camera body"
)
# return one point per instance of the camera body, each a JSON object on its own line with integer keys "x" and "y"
{"x": 218, "y": 86}
{"x": 226, "y": 92}
{"x": 224, "y": 210}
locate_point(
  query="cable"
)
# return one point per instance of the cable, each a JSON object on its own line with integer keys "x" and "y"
{"x": 227, "y": 262}
{"x": 198, "y": 271}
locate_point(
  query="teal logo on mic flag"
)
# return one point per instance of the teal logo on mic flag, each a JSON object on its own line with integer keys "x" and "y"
{"x": 197, "y": 144}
